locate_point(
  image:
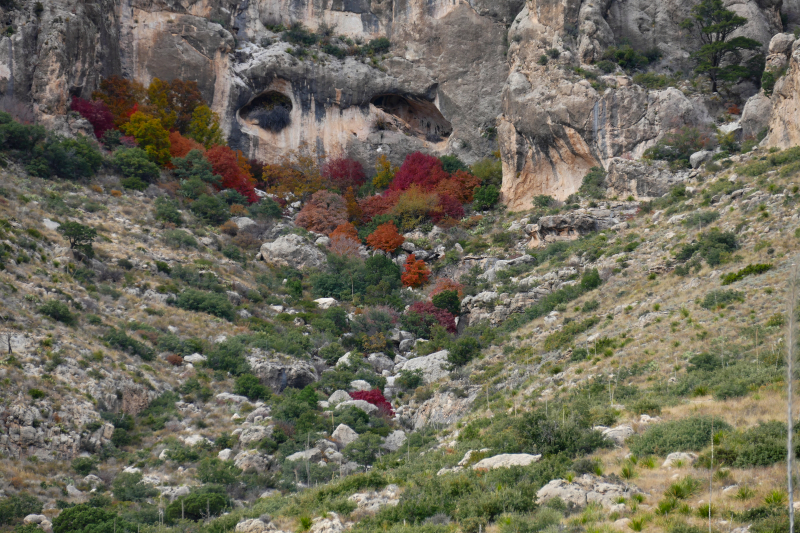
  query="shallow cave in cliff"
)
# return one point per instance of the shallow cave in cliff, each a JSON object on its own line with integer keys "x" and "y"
{"x": 270, "y": 111}
{"x": 418, "y": 117}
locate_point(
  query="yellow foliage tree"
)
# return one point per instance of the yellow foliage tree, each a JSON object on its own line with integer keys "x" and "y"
{"x": 204, "y": 127}
{"x": 151, "y": 135}
{"x": 386, "y": 172}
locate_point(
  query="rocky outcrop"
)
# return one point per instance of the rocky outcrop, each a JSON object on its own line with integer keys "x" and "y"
{"x": 292, "y": 251}
{"x": 443, "y": 409}
{"x": 784, "y": 128}
{"x": 372, "y": 502}
{"x": 640, "y": 179}
{"x": 433, "y": 366}
{"x": 506, "y": 460}
{"x": 280, "y": 372}
{"x": 587, "y": 489}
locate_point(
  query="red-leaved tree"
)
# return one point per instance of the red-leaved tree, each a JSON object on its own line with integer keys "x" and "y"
{"x": 344, "y": 246}
{"x": 447, "y": 284}
{"x": 378, "y": 204}
{"x": 448, "y": 207}
{"x": 323, "y": 213}
{"x": 443, "y": 317}
{"x": 424, "y": 170}
{"x": 342, "y": 173}
{"x": 461, "y": 186}
{"x": 225, "y": 163}
{"x": 376, "y": 398}
{"x": 345, "y": 230}
{"x": 385, "y": 237}
{"x": 416, "y": 272}
{"x": 96, "y": 112}
{"x": 179, "y": 145}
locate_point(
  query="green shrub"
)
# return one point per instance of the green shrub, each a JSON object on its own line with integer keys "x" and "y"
{"x": 197, "y": 505}
{"x": 65, "y": 158}
{"x": 58, "y": 311}
{"x": 689, "y": 434}
{"x": 178, "y": 238}
{"x": 749, "y": 270}
{"x": 683, "y": 489}
{"x": 249, "y": 385}
{"x": 129, "y": 488}
{"x": 166, "y": 210}
{"x": 712, "y": 246}
{"x": 331, "y": 353}
{"x": 567, "y": 334}
{"x": 646, "y": 406}
{"x": 206, "y": 302}
{"x": 84, "y": 518}
{"x": 449, "y": 301}
{"x": 700, "y": 218}
{"x": 210, "y": 209}
{"x": 538, "y": 433}
{"x": 594, "y": 183}
{"x": 365, "y": 449}
{"x": 84, "y": 465}
{"x": 543, "y": 201}
{"x": 18, "y": 506}
{"x": 721, "y": 298}
{"x": 463, "y": 351}
{"x": 213, "y": 470}
{"x": 135, "y": 163}
{"x": 485, "y": 197}
{"x": 120, "y": 340}
{"x": 80, "y": 237}
{"x": 677, "y": 146}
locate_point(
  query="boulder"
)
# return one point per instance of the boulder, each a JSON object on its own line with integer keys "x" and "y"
{"x": 380, "y": 362}
{"x": 756, "y": 115}
{"x": 406, "y": 345}
{"x": 243, "y": 222}
{"x": 225, "y": 454}
{"x": 292, "y": 251}
{"x": 313, "y": 455}
{"x": 252, "y": 460}
{"x": 344, "y": 435}
{"x": 587, "y": 489}
{"x": 195, "y": 358}
{"x": 254, "y": 434}
{"x": 640, "y": 179}
{"x": 329, "y": 524}
{"x": 278, "y": 374}
{"x": 618, "y": 434}
{"x": 698, "y": 158}
{"x": 394, "y": 440}
{"x": 371, "y": 502}
{"x": 53, "y": 226}
{"x": 254, "y": 525}
{"x": 433, "y": 366}
{"x": 687, "y": 459}
{"x": 194, "y": 440}
{"x": 360, "y": 385}
{"x": 258, "y": 414}
{"x": 361, "y": 404}
{"x": 338, "y": 397}
{"x": 326, "y": 303}
{"x": 506, "y": 460}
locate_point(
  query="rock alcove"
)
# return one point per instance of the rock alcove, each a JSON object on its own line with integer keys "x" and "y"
{"x": 270, "y": 111}
{"x": 415, "y": 116}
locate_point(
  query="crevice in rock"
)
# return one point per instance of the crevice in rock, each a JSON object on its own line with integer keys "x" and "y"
{"x": 269, "y": 111}
{"x": 413, "y": 115}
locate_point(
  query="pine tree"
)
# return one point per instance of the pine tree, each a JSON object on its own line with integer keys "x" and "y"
{"x": 719, "y": 57}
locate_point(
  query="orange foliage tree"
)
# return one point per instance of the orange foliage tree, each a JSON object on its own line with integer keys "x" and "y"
{"x": 354, "y": 211}
{"x": 386, "y": 238}
{"x": 461, "y": 186}
{"x": 379, "y": 204}
{"x": 295, "y": 174}
{"x": 447, "y": 284}
{"x": 322, "y": 213}
{"x": 174, "y": 102}
{"x": 180, "y": 145}
{"x": 416, "y": 272}
{"x": 121, "y": 96}
{"x": 225, "y": 163}
{"x": 345, "y": 230}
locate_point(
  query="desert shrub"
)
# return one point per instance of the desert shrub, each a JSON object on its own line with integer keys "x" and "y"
{"x": 59, "y": 311}
{"x": 120, "y": 340}
{"x": 721, "y": 298}
{"x": 213, "y": 470}
{"x": 749, "y": 270}
{"x": 166, "y": 210}
{"x": 378, "y": 46}
{"x": 228, "y": 356}
{"x": 689, "y": 434}
{"x": 365, "y": 449}
{"x": 646, "y": 406}
{"x": 178, "y": 238}
{"x": 463, "y": 351}
{"x": 700, "y": 218}
{"x": 18, "y": 506}
{"x": 84, "y": 518}
{"x": 678, "y": 145}
{"x": 567, "y": 334}
{"x": 714, "y": 246}
{"x": 206, "y": 302}
{"x": 210, "y": 209}
{"x": 129, "y": 488}
{"x": 594, "y": 183}
{"x": 705, "y": 362}
{"x": 84, "y": 465}
{"x": 331, "y": 353}
{"x": 538, "y": 433}
{"x": 249, "y": 385}
{"x": 543, "y": 518}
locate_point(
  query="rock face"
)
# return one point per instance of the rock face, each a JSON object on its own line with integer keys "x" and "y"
{"x": 293, "y": 251}
{"x": 433, "y": 366}
{"x": 278, "y": 373}
{"x": 784, "y": 129}
{"x": 585, "y": 489}
{"x": 344, "y": 435}
{"x": 639, "y": 179}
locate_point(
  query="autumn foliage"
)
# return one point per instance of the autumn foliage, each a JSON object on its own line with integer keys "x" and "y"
{"x": 180, "y": 145}
{"x": 386, "y": 238}
{"x": 323, "y": 213}
{"x": 225, "y": 162}
{"x": 447, "y": 284}
{"x": 345, "y": 230}
{"x": 121, "y": 96}
{"x": 342, "y": 173}
{"x": 376, "y": 398}
{"x": 344, "y": 245}
{"x": 443, "y": 317}
{"x": 96, "y": 112}
{"x": 416, "y": 272}
{"x": 420, "y": 169}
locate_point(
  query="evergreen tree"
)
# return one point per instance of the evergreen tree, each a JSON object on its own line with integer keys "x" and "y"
{"x": 720, "y": 56}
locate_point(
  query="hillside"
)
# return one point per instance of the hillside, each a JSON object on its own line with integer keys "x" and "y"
{"x": 172, "y": 378}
